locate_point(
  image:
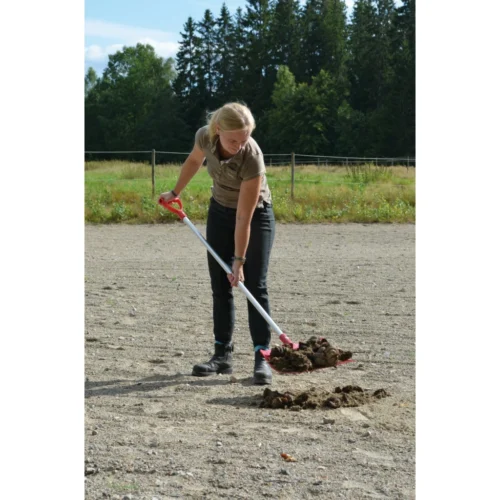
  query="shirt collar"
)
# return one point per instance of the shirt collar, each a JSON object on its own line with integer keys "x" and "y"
{"x": 215, "y": 152}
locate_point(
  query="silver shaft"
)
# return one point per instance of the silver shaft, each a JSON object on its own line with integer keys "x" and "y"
{"x": 228, "y": 270}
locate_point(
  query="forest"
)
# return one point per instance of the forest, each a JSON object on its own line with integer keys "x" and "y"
{"x": 318, "y": 81}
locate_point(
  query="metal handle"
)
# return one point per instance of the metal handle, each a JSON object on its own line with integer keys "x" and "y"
{"x": 168, "y": 205}
{"x": 241, "y": 286}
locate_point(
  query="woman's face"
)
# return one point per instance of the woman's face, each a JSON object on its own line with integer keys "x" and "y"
{"x": 232, "y": 141}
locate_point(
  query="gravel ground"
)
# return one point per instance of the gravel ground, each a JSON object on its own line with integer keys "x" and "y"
{"x": 154, "y": 431}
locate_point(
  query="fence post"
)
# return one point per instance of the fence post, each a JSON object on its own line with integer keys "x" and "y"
{"x": 153, "y": 162}
{"x": 407, "y": 163}
{"x": 293, "y": 172}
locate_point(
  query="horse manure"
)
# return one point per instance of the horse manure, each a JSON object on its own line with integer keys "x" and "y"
{"x": 315, "y": 353}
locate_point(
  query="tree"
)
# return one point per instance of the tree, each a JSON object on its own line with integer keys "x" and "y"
{"x": 240, "y": 66}
{"x": 401, "y": 92}
{"x": 310, "y": 50}
{"x": 259, "y": 77}
{"x": 284, "y": 35}
{"x": 90, "y": 80}
{"x": 332, "y": 55}
{"x": 120, "y": 107}
{"x": 205, "y": 75}
{"x": 187, "y": 61}
{"x": 224, "y": 55}
{"x": 303, "y": 115}
{"x": 363, "y": 68}
{"x": 280, "y": 119}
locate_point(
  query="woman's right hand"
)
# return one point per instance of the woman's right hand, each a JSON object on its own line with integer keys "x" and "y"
{"x": 167, "y": 196}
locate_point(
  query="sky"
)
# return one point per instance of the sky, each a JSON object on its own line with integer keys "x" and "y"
{"x": 112, "y": 24}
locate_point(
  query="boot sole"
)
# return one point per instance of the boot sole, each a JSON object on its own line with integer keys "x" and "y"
{"x": 226, "y": 371}
{"x": 262, "y": 381}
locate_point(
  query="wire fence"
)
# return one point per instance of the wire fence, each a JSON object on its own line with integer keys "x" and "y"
{"x": 271, "y": 160}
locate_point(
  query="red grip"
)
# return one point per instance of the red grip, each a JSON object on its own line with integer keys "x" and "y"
{"x": 169, "y": 206}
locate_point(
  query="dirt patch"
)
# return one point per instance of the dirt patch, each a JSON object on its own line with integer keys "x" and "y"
{"x": 315, "y": 353}
{"x": 154, "y": 430}
{"x": 347, "y": 396}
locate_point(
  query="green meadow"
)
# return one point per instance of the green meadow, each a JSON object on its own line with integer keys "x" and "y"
{"x": 121, "y": 192}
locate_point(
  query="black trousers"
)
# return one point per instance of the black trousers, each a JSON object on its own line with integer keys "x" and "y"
{"x": 221, "y": 224}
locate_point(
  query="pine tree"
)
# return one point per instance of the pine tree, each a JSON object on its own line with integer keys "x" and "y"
{"x": 240, "y": 68}
{"x": 205, "y": 75}
{"x": 284, "y": 35}
{"x": 224, "y": 54}
{"x": 401, "y": 93}
{"x": 259, "y": 77}
{"x": 187, "y": 62}
{"x": 333, "y": 33}
{"x": 363, "y": 68}
{"x": 311, "y": 41}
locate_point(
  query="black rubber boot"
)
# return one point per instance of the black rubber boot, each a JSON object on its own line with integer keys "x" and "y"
{"x": 262, "y": 374}
{"x": 220, "y": 362}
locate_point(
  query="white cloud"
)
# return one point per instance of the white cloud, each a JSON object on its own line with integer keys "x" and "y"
{"x": 97, "y": 53}
{"x": 94, "y": 53}
{"x": 163, "y": 49}
{"x": 122, "y": 35}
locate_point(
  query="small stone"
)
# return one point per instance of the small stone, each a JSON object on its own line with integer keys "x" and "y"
{"x": 367, "y": 434}
{"x": 94, "y": 433}
{"x": 218, "y": 443}
{"x": 91, "y": 469}
{"x": 233, "y": 379}
{"x": 321, "y": 467}
{"x": 179, "y": 354}
{"x": 284, "y": 472}
{"x": 351, "y": 440}
{"x": 328, "y": 420}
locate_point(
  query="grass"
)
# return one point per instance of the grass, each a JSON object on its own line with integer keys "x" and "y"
{"x": 117, "y": 191}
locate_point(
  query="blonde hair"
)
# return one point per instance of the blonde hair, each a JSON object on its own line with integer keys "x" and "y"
{"x": 231, "y": 116}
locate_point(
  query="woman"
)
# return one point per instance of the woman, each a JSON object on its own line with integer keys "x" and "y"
{"x": 240, "y": 228}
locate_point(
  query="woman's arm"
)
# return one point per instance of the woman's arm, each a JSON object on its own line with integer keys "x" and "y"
{"x": 189, "y": 168}
{"x": 247, "y": 201}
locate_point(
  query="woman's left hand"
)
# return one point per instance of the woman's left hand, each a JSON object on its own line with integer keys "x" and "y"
{"x": 237, "y": 274}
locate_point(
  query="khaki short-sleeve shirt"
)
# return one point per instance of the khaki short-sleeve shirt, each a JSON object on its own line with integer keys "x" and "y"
{"x": 228, "y": 174}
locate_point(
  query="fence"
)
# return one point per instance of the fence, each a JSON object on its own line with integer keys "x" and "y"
{"x": 271, "y": 160}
